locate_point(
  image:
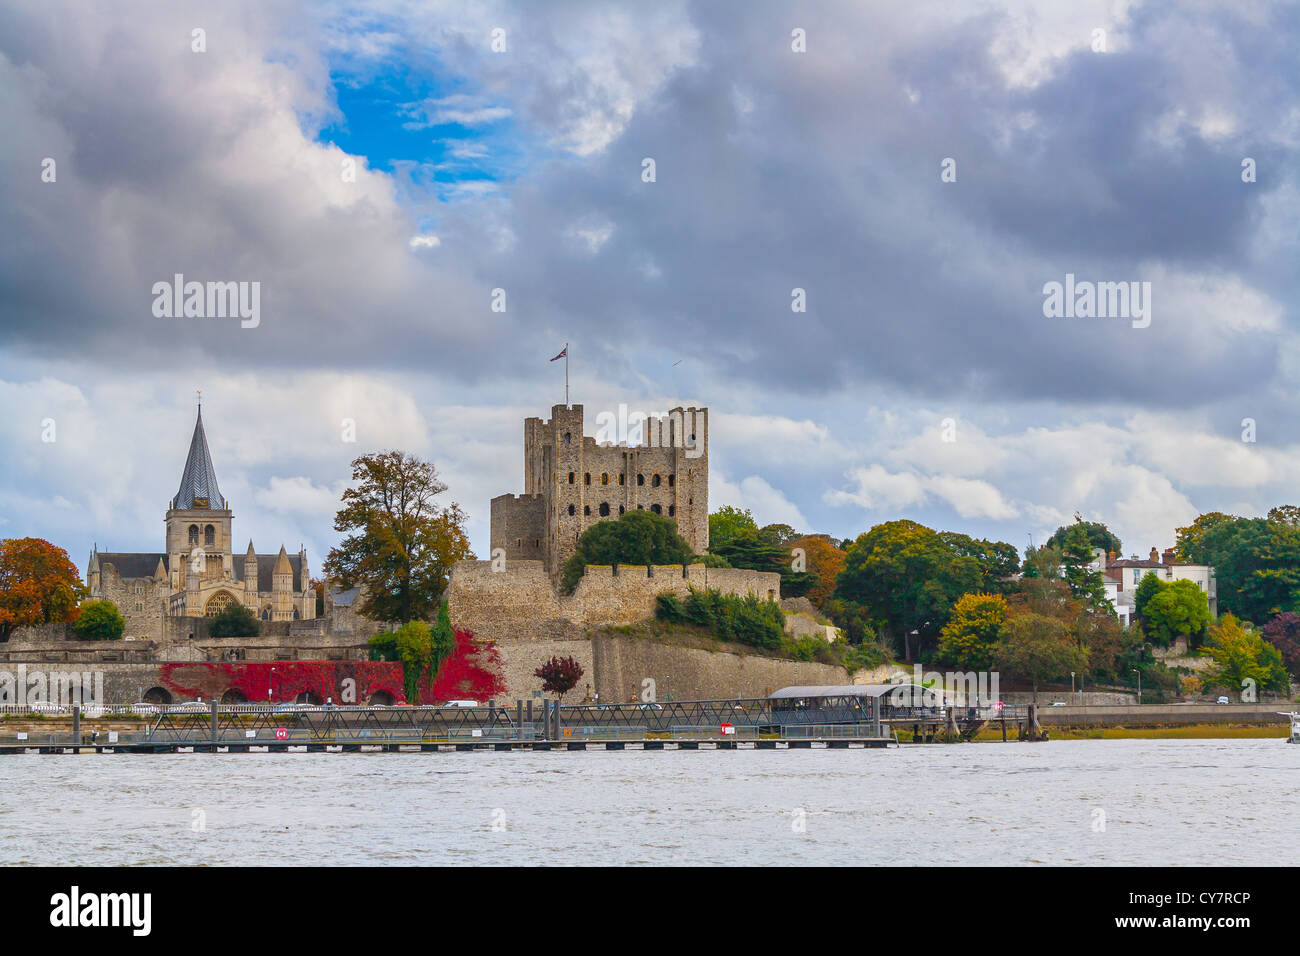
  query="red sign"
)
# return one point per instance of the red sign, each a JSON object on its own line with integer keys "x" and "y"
{"x": 728, "y": 729}
{"x": 281, "y": 733}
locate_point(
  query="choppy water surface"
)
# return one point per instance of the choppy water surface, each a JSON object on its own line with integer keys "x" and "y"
{"x": 1178, "y": 802}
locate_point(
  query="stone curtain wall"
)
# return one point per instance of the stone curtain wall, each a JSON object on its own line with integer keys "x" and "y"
{"x": 520, "y": 603}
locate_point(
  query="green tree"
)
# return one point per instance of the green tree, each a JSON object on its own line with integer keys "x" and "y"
{"x": 1235, "y": 549}
{"x": 1241, "y": 655}
{"x": 1084, "y": 580}
{"x": 442, "y": 641}
{"x": 400, "y": 544}
{"x": 970, "y": 638}
{"x": 998, "y": 560}
{"x": 1189, "y": 544}
{"x": 1042, "y": 562}
{"x": 234, "y": 620}
{"x": 909, "y": 578}
{"x": 1146, "y": 589}
{"x": 1177, "y": 607}
{"x": 1096, "y": 534}
{"x": 412, "y": 645}
{"x": 638, "y": 537}
{"x": 1038, "y": 648}
{"x": 99, "y": 621}
{"x": 726, "y": 523}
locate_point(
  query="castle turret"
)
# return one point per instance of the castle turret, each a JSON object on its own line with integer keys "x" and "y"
{"x": 92, "y": 572}
{"x": 250, "y": 578}
{"x": 282, "y": 588}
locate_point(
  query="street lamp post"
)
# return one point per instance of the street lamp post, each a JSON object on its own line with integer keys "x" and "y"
{"x": 1071, "y": 683}
{"x": 1139, "y": 674}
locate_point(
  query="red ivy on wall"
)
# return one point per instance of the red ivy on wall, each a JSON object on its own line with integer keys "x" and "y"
{"x": 285, "y": 680}
{"x": 471, "y": 672}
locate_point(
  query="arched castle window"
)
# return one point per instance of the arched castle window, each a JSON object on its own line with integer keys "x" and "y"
{"x": 622, "y": 479}
{"x": 620, "y": 509}
{"x": 604, "y": 478}
{"x": 586, "y": 479}
{"x": 567, "y": 438}
{"x": 640, "y": 507}
{"x": 654, "y": 482}
{"x": 656, "y": 509}
{"x": 570, "y": 477}
{"x": 586, "y": 509}
{"x": 209, "y": 536}
{"x": 194, "y": 534}
{"x": 571, "y": 509}
{"x": 604, "y": 509}
{"x": 672, "y": 511}
{"x": 640, "y": 479}
{"x": 672, "y": 480}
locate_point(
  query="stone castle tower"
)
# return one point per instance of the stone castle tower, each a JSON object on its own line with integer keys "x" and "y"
{"x": 571, "y": 482}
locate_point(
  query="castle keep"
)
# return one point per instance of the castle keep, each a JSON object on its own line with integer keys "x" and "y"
{"x": 198, "y": 574}
{"x": 571, "y": 482}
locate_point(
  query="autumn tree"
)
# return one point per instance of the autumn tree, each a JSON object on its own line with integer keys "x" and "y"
{"x": 970, "y": 638}
{"x": 1038, "y": 648}
{"x": 825, "y": 560}
{"x": 1189, "y": 542}
{"x": 1242, "y": 658}
{"x": 559, "y": 675}
{"x": 400, "y": 545}
{"x": 998, "y": 561}
{"x": 1283, "y": 632}
{"x": 38, "y": 585}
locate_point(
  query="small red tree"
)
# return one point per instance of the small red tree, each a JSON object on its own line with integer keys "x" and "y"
{"x": 559, "y": 674}
{"x": 1283, "y": 632}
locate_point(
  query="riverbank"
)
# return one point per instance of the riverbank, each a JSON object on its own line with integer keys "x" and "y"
{"x": 1181, "y": 732}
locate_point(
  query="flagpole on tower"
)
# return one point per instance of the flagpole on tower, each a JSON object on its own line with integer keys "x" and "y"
{"x": 566, "y": 374}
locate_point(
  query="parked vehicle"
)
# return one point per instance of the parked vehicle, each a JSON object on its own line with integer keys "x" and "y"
{"x": 462, "y": 703}
{"x": 1223, "y": 700}
{"x": 144, "y": 708}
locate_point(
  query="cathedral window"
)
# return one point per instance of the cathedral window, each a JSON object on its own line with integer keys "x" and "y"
{"x": 209, "y": 536}
{"x": 604, "y": 509}
{"x": 194, "y": 534}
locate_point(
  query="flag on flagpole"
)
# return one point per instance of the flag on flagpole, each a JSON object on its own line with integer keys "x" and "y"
{"x": 564, "y": 353}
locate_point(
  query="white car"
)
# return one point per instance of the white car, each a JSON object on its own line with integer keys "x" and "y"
{"x": 192, "y": 707}
{"x": 1223, "y": 700}
{"x": 462, "y": 703}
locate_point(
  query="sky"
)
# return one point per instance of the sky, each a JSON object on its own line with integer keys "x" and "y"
{"x": 387, "y": 172}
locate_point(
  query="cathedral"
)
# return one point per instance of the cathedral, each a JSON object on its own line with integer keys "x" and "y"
{"x": 199, "y": 574}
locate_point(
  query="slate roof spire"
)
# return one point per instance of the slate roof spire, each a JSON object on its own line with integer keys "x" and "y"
{"x": 199, "y": 480}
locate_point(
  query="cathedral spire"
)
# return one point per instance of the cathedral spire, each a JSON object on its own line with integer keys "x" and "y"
{"x": 199, "y": 481}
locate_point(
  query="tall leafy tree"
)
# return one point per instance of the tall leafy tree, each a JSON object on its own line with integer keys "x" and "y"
{"x": 400, "y": 544}
{"x": 728, "y": 522}
{"x": 825, "y": 560}
{"x": 909, "y": 578}
{"x": 1177, "y": 607}
{"x": 1084, "y": 581}
{"x": 1147, "y": 588}
{"x": 38, "y": 585}
{"x": 1283, "y": 632}
{"x": 998, "y": 560}
{"x": 1038, "y": 648}
{"x": 970, "y": 638}
{"x": 1189, "y": 543}
{"x": 1241, "y": 655}
{"x": 99, "y": 621}
{"x": 1096, "y": 534}
{"x": 1235, "y": 548}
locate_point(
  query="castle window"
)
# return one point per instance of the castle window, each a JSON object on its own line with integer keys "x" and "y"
{"x": 654, "y": 482}
{"x": 604, "y": 478}
{"x": 656, "y": 509}
{"x": 604, "y": 509}
{"x": 571, "y": 509}
{"x": 690, "y": 501}
{"x": 194, "y": 534}
{"x": 620, "y": 509}
{"x": 672, "y": 480}
{"x": 209, "y": 536}
{"x": 567, "y": 438}
{"x": 640, "y": 507}
{"x": 570, "y": 477}
{"x": 586, "y": 509}
{"x": 586, "y": 479}
{"x": 622, "y": 479}
{"x": 640, "y": 479}
{"x": 672, "y": 511}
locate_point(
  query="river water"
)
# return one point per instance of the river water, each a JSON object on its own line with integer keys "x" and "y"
{"x": 1063, "y": 802}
